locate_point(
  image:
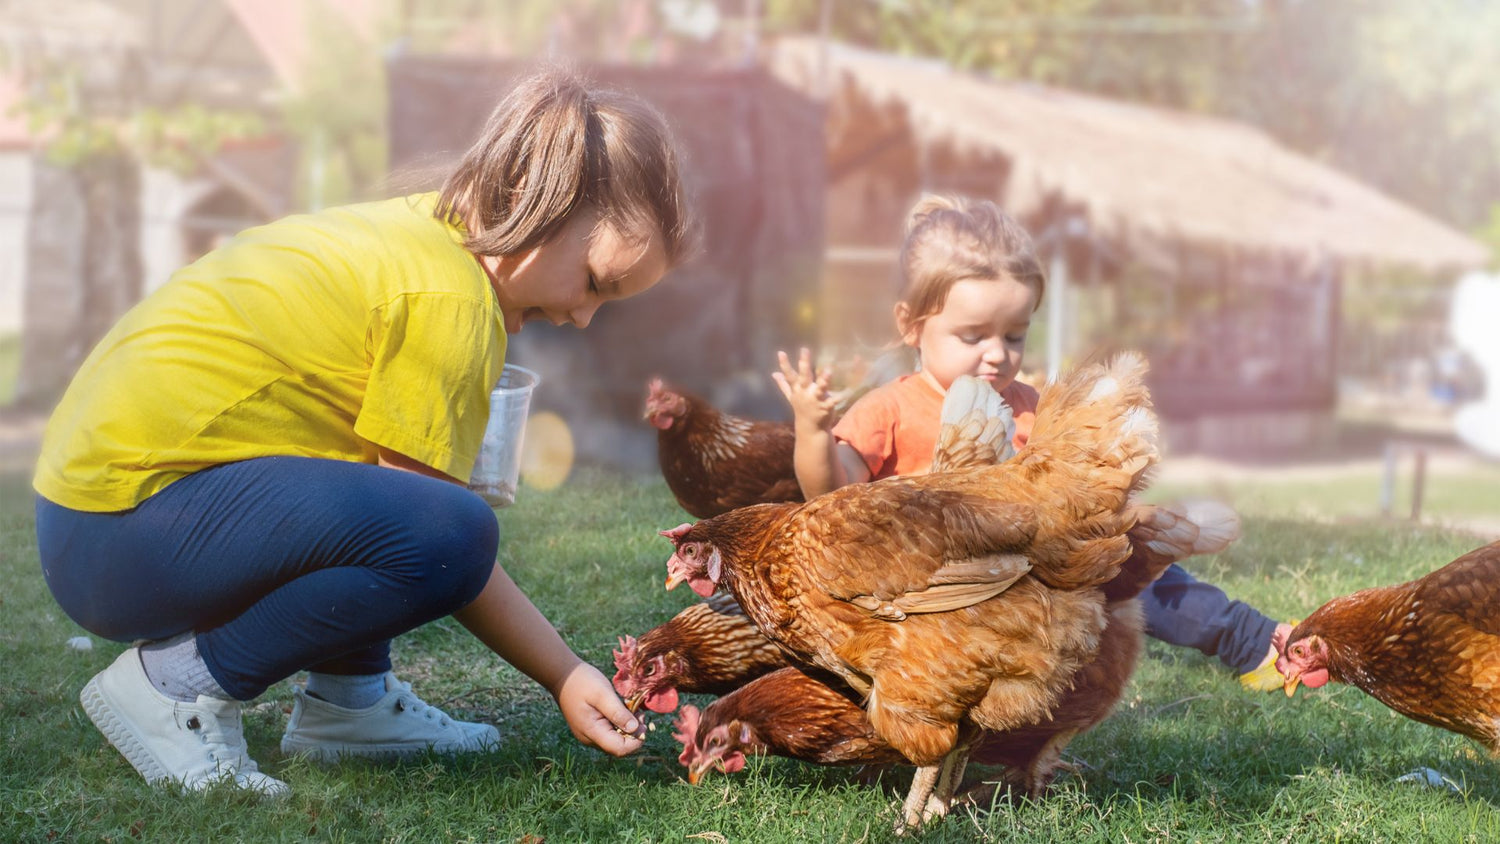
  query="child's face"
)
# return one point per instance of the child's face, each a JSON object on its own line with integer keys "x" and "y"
{"x": 981, "y": 331}
{"x": 566, "y": 279}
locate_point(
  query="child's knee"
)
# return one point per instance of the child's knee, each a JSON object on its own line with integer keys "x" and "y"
{"x": 462, "y": 539}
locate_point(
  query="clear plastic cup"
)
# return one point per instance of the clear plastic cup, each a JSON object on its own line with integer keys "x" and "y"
{"x": 498, "y": 469}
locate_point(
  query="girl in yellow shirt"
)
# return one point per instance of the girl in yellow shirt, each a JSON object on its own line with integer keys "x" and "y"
{"x": 260, "y": 469}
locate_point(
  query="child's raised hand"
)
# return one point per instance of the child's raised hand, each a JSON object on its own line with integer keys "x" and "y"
{"x": 805, "y": 390}
{"x": 596, "y": 715}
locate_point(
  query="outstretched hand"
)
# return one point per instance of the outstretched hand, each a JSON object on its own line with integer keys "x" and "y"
{"x": 806, "y": 390}
{"x": 596, "y": 715}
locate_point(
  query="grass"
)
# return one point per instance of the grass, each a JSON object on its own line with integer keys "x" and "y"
{"x": 1188, "y": 756}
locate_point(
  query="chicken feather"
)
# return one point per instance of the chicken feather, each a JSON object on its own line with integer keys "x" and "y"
{"x": 993, "y": 662}
{"x": 1428, "y": 649}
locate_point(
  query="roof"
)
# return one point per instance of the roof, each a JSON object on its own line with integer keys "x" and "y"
{"x": 1146, "y": 177}
{"x": 282, "y": 32}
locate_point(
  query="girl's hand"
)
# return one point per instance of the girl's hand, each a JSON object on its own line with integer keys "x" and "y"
{"x": 806, "y": 391}
{"x": 596, "y": 715}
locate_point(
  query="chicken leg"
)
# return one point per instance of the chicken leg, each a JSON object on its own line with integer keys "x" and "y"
{"x": 932, "y": 789}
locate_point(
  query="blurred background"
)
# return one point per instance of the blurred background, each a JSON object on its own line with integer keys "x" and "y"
{"x": 1290, "y": 205}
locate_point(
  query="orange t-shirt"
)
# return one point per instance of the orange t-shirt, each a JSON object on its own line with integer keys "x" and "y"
{"x": 895, "y": 426}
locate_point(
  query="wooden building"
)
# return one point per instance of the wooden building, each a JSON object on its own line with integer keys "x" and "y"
{"x": 1222, "y": 254}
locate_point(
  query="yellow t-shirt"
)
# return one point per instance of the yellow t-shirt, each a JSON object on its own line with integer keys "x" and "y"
{"x": 320, "y": 335}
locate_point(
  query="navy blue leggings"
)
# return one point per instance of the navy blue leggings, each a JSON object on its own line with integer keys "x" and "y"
{"x": 1182, "y": 610}
{"x": 279, "y": 564}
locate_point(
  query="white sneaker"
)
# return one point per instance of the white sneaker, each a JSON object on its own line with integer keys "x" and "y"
{"x": 196, "y": 744}
{"x": 399, "y": 724}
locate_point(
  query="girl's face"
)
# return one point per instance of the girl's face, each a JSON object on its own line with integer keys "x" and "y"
{"x": 566, "y": 279}
{"x": 981, "y": 331}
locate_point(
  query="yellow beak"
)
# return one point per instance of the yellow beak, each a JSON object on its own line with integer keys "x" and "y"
{"x": 674, "y": 580}
{"x": 1291, "y": 684}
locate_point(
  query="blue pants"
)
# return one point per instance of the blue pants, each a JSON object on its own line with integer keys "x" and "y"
{"x": 1181, "y": 610}
{"x": 279, "y": 564}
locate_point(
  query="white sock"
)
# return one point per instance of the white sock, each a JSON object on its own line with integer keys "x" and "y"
{"x": 177, "y": 670}
{"x": 351, "y": 691}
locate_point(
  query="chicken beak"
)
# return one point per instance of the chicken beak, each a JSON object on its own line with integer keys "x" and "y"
{"x": 1291, "y": 684}
{"x": 675, "y": 580}
{"x": 694, "y": 775}
{"x": 633, "y": 703}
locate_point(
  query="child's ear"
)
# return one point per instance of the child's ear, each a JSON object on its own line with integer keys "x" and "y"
{"x": 909, "y": 329}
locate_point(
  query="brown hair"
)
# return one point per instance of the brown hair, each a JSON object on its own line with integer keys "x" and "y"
{"x": 555, "y": 144}
{"x": 951, "y": 238}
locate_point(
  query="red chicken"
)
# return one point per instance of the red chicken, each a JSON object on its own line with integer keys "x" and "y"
{"x": 713, "y": 647}
{"x": 793, "y": 712}
{"x": 956, "y": 601}
{"x": 1162, "y": 536}
{"x": 714, "y": 462}
{"x": 1429, "y": 649}
{"x": 1032, "y": 754}
{"x": 709, "y": 647}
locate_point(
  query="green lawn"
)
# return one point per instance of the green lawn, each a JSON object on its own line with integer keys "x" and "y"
{"x": 1188, "y": 756}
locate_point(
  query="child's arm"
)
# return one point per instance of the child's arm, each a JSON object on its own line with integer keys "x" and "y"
{"x": 506, "y": 621}
{"x": 821, "y": 462}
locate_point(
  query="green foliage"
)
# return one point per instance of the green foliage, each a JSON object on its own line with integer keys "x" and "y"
{"x": 1187, "y": 756}
{"x": 337, "y": 111}
{"x": 76, "y": 125}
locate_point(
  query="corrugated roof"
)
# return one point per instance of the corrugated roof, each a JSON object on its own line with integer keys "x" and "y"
{"x": 1147, "y": 177}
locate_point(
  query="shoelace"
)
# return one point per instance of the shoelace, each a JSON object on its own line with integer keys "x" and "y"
{"x": 410, "y": 702}
{"x": 225, "y": 744}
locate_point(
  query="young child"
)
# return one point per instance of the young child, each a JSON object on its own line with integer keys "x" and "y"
{"x": 260, "y": 469}
{"x": 971, "y": 282}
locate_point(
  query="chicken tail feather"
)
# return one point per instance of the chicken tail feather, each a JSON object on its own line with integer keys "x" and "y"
{"x": 1098, "y": 416}
{"x": 976, "y": 427}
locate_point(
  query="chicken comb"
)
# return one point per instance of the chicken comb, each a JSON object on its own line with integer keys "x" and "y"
{"x": 687, "y": 733}
{"x": 676, "y": 533}
{"x": 625, "y": 656}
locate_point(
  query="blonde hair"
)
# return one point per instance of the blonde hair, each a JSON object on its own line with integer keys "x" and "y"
{"x": 555, "y": 144}
{"x": 950, "y": 239}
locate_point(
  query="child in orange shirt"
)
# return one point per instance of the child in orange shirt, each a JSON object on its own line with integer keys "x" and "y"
{"x": 973, "y": 282}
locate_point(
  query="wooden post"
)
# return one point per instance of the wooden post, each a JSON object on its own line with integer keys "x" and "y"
{"x": 1388, "y": 482}
{"x": 1057, "y": 292}
{"x": 1418, "y": 482}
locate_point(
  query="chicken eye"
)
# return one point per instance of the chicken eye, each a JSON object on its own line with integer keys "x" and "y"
{"x": 650, "y": 668}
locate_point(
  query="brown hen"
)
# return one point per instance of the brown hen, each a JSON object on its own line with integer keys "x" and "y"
{"x": 1429, "y": 649}
{"x": 1161, "y": 536}
{"x": 955, "y": 601}
{"x": 714, "y": 462}
{"x": 793, "y": 712}
{"x": 710, "y": 647}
